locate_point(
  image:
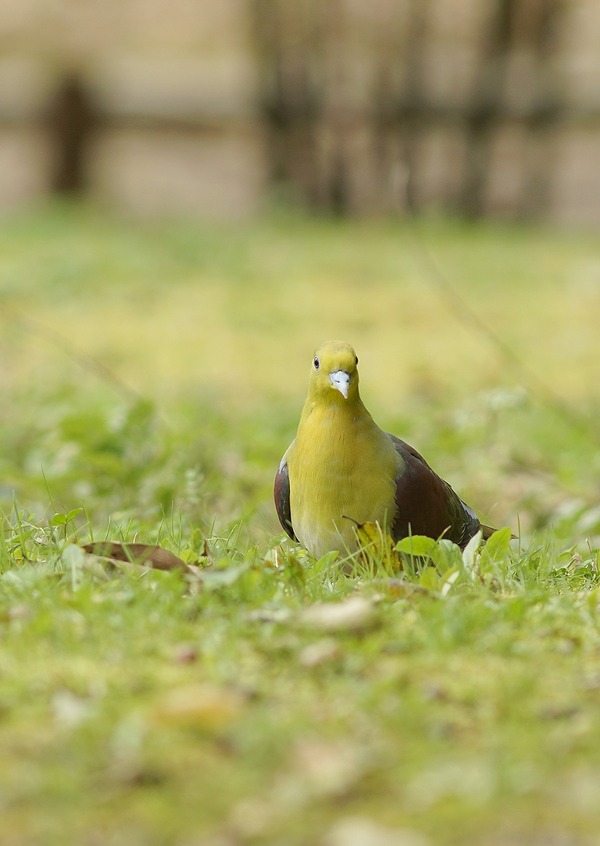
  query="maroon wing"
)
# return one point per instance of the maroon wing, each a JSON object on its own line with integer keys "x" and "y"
{"x": 281, "y": 493}
{"x": 426, "y": 504}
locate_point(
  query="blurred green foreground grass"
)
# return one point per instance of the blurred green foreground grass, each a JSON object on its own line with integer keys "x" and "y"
{"x": 151, "y": 377}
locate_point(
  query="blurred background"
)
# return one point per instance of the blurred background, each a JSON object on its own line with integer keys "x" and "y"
{"x": 175, "y": 107}
{"x": 247, "y": 178}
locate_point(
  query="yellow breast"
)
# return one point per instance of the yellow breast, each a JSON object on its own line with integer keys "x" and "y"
{"x": 340, "y": 465}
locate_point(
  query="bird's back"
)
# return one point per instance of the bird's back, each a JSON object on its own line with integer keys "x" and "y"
{"x": 426, "y": 504}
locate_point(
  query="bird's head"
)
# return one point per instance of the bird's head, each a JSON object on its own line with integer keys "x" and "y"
{"x": 334, "y": 373}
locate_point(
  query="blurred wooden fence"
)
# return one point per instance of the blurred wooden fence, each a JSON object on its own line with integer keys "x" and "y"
{"x": 479, "y": 107}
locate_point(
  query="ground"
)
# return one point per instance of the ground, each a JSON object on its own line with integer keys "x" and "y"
{"x": 152, "y": 376}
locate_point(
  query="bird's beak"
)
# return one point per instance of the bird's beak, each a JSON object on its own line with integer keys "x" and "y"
{"x": 340, "y": 380}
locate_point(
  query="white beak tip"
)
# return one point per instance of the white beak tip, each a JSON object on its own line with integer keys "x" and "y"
{"x": 340, "y": 380}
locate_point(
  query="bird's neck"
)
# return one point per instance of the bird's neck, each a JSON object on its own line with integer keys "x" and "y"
{"x": 334, "y": 412}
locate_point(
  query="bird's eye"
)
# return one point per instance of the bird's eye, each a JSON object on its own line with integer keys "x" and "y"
{"x": 316, "y": 362}
{"x": 356, "y": 359}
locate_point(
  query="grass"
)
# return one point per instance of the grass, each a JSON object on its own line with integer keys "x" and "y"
{"x": 152, "y": 377}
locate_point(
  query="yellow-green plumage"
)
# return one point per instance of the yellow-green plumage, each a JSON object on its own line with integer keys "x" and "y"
{"x": 341, "y": 464}
{"x": 342, "y": 469}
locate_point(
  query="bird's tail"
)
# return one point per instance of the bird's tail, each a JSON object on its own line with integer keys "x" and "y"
{"x": 488, "y": 531}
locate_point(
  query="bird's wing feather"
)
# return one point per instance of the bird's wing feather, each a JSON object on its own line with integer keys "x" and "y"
{"x": 281, "y": 492}
{"x": 426, "y": 504}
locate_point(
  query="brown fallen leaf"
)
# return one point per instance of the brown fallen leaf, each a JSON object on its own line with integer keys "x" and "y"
{"x": 324, "y": 768}
{"x": 322, "y": 651}
{"x": 363, "y": 831}
{"x": 355, "y": 614}
{"x": 141, "y": 554}
{"x": 203, "y": 706}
